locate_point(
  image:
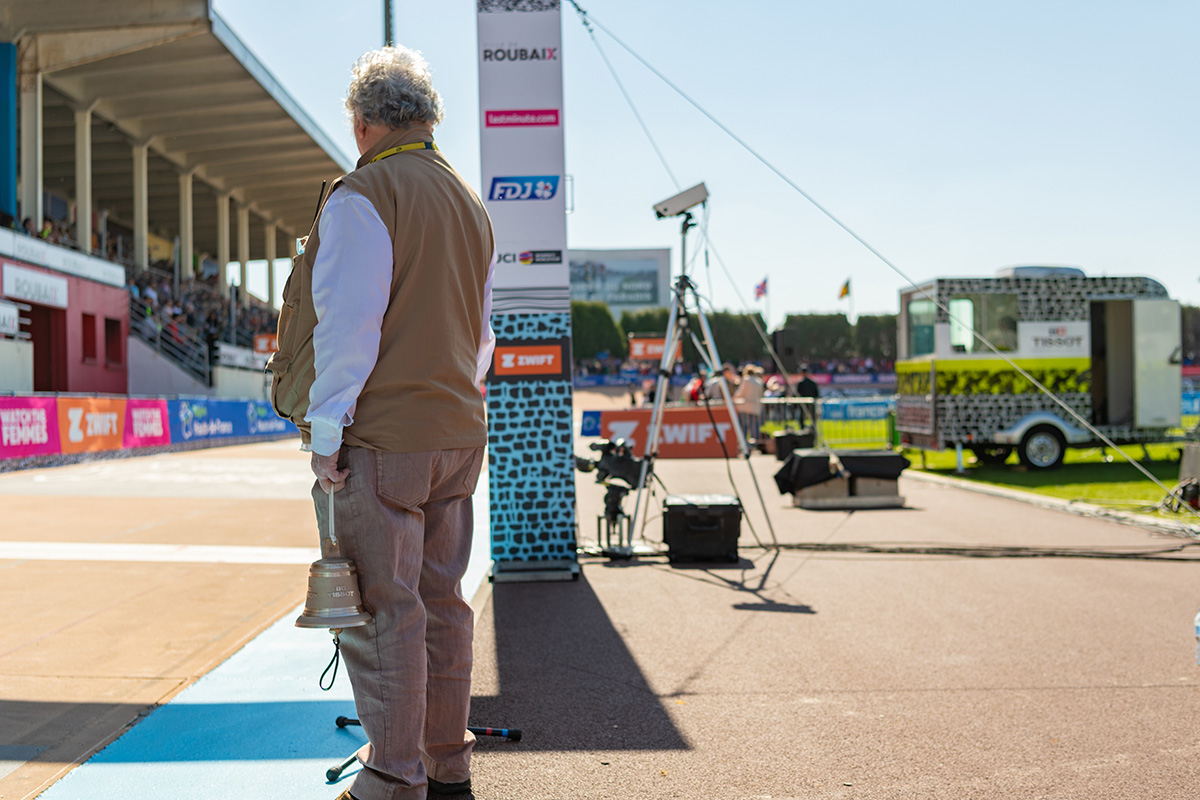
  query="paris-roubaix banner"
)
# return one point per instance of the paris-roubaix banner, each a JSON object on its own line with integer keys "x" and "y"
{"x": 531, "y": 481}
{"x": 521, "y": 139}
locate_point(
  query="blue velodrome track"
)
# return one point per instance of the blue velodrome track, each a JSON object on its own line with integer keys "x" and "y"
{"x": 257, "y": 725}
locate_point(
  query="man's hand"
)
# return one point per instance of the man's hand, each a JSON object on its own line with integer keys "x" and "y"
{"x": 327, "y": 472}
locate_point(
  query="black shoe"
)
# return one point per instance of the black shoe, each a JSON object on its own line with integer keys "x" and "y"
{"x": 437, "y": 787}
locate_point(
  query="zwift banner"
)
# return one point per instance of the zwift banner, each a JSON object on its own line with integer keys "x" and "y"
{"x": 67, "y": 425}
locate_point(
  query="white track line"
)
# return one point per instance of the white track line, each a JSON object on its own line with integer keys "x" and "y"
{"x": 182, "y": 553}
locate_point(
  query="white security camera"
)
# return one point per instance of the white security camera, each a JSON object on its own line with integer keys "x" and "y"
{"x": 680, "y": 203}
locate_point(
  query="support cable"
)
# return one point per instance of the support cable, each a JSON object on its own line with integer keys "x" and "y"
{"x": 645, "y": 129}
{"x": 588, "y": 20}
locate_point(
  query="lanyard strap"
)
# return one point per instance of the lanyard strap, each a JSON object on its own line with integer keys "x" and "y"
{"x": 404, "y": 148}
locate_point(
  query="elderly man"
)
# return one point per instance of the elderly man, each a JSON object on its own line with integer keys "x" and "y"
{"x": 383, "y": 341}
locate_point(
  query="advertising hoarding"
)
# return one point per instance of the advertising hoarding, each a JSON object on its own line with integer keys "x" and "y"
{"x": 70, "y": 425}
{"x": 91, "y": 424}
{"x": 524, "y": 187}
{"x": 28, "y": 427}
{"x": 686, "y": 432}
{"x": 146, "y": 423}
{"x": 624, "y": 280}
{"x": 523, "y": 155}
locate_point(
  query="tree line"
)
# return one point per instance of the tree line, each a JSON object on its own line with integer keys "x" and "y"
{"x": 596, "y": 334}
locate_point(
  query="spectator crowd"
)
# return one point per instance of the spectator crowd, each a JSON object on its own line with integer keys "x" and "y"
{"x": 199, "y": 313}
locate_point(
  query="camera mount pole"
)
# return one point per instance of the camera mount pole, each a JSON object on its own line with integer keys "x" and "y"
{"x": 677, "y": 323}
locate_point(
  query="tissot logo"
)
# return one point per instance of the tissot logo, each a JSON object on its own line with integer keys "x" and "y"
{"x": 520, "y": 54}
{"x": 528, "y": 257}
{"x": 524, "y": 187}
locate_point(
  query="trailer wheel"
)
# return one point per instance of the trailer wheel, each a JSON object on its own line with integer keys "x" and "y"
{"x": 1042, "y": 448}
{"x": 995, "y": 455}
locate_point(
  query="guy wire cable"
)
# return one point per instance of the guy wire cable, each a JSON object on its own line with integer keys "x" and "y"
{"x": 715, "y": 369}
{"x": 720, "y": 440}
{"x": 762, "y": 334}
{"x": 753, "y": 477}
{"x": 587, "y": 25}
{"x": 704, "y": 238}
{"x": 585, "y": 20}
{"x": 886, "y": 261}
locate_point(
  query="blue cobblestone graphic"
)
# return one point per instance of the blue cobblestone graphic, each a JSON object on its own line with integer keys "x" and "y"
{"x": 531, "y": 464}
{"x": 532, "y": 326}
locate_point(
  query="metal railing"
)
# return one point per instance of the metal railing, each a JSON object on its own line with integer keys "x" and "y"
{"x": 861, "y": 422}
{"x": 184, "y": 345}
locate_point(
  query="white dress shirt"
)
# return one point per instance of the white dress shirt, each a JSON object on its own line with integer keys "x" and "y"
{"x": 350, "y": 303}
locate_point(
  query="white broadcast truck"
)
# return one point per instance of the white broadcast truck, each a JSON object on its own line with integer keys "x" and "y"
{"x": 1109, "y": 347}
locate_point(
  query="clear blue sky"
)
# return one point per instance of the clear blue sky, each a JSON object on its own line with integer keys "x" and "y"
{"x": 957, "y": 138}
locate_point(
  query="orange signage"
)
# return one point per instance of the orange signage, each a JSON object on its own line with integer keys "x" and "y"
{"x": 685, "y": 432}
{"x": 90, "y": 424}
{"x": 545, "y": 359}
{"x": 265, "y": 343}
{"x": 647, "y": 349}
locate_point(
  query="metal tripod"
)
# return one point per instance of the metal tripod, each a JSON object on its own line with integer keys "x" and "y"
{"x": 335, "y": 772}
{"x": 677, "y": 325}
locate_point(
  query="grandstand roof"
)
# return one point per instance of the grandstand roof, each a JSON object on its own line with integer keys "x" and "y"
{"x": 173, "y": 75}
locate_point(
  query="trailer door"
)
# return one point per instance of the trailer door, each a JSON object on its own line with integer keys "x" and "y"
{"x": 1156, "y": 363}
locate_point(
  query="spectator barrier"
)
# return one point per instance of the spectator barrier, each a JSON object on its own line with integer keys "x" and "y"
{"x": 1191, "y": 404}
{"x": 623, "y": 379}
{"x": 866, "y": 381}
{"x": 44, "y": 426}
{"x": 687, "y": 431}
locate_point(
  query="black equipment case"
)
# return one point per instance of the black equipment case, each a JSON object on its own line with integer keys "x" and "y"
{"x": 702, "y": 527}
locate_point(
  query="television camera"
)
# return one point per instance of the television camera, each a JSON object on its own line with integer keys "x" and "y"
{"x": 619, "y": 470}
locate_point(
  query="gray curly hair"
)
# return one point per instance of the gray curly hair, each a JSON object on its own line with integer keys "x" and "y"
{"x": 392, "y": 86}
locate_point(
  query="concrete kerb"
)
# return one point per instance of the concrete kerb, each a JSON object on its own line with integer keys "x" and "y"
{"x": 1076, "y": 507}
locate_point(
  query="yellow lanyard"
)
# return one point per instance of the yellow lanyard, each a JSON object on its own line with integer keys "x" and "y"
{"x": 404, "y": 148}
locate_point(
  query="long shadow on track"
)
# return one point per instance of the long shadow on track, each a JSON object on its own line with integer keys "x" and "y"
{"x": 566, "y": 676}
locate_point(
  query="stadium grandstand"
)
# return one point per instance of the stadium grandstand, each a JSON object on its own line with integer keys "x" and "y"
{"x": 143, "y": 148}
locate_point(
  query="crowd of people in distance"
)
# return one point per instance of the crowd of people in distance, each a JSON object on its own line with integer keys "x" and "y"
{"x": 200, "y": 313}
{"x": 748, "y": 383}
{"x": 815, "y": 366}
{"x": 54, "y": 232}
{"x": 849, "y": 366}
{"x": 58, "y": 232}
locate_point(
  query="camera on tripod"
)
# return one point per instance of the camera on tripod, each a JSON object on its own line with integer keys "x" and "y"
{"x": 616, "y": 461}
{"x": 620, "y": 471}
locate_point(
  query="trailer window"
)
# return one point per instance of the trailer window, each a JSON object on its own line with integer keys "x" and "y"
{"x": 921, "y": 316}
{"x": 993, "y": 315}
{"x": 962, "y": 323}
{"x": 1001, "y": 321}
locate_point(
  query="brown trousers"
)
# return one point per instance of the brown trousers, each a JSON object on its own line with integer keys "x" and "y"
{"x": 405, "y": 520}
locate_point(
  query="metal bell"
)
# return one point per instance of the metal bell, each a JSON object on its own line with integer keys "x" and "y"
{"x": 333, "y": 598}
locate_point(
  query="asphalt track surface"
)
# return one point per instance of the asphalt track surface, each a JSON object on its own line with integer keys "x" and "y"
{"x": 795, "y": 673}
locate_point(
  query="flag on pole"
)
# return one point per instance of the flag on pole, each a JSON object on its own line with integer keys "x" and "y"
{"x": 760, "y": 289}
{"x": 845, "y": 292}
